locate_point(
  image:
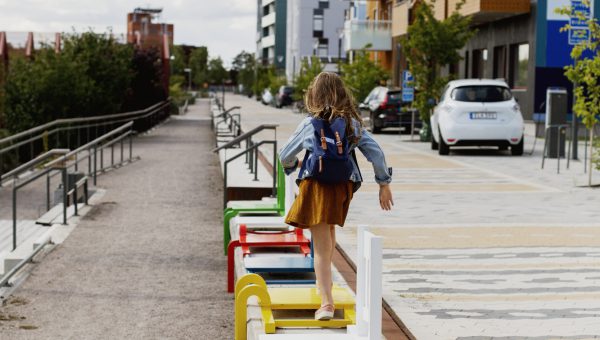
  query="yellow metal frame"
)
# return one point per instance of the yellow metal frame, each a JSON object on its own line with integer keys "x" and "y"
{"x": 287, "y": 299}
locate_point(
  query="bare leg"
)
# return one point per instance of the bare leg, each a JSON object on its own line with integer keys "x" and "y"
{"x": 321, "y": 234}
{"x": 332, "y": 230}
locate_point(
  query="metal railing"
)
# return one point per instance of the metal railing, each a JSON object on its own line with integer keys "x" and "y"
{"x": 232, "y": 122}
{"x": 63, "y": 161}
{"x": 252, "y": 154}
{"x": 66, "y": 133}
{"x": 561, "y": 131}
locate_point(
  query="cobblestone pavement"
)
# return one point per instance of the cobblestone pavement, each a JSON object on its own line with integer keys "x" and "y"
{"x": 144, "y": 263}
{"x": 480, "y": 244}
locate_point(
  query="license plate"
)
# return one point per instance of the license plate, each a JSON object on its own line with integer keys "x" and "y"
{"x": 483, "y": 115}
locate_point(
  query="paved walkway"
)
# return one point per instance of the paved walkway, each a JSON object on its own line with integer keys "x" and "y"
{"x": 480, "y": 244}
{"x": 146, "y": 262}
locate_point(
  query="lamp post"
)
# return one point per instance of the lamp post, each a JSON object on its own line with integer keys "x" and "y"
{"x": 189, "y": 70}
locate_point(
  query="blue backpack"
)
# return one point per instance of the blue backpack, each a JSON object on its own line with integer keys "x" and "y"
{"x": 329, "y": 162}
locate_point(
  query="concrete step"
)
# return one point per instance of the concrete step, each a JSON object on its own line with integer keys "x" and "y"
{"x": 28, "y": 232}
{"x": 50, "y": 215}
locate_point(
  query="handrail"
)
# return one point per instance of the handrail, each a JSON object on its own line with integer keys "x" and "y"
{"x": 246, "y": 135}
{"x": 90, "y": 144}
{"x": 32, "y": 163}
{"x": 79, "y": 120}
{"x": 227, "y": 111}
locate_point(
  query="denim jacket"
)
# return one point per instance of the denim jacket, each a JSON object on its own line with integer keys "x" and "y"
{"x": 303, "y": 137}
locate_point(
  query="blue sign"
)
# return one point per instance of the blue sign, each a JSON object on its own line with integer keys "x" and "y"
{"x": 408, "y": 87}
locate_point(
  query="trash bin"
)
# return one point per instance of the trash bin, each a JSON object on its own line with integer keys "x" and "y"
{"x": 556, "y": 114}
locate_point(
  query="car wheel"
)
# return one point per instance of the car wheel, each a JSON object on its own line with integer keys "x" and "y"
{"x": 443, "y": 148}
{"x": 374, "y": 127}
{"x": 517, "y": 150}
{"x": 434, "y": 144}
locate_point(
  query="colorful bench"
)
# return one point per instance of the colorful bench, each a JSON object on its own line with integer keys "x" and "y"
{"x": 249, "y": 238}
{"x": 290, "y": 299}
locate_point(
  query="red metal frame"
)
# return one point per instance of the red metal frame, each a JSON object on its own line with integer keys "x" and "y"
{"x": 251, "y": 238}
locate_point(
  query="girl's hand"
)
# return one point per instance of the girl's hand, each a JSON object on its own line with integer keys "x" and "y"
{"x": 385, "y": 197}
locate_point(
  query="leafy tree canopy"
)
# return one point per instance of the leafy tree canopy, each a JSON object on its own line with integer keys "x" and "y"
{"x": 362, "y": 75}
{"x": 431, "y": 44}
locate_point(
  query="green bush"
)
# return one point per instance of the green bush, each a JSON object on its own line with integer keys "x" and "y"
{"x": 362, "y": 75}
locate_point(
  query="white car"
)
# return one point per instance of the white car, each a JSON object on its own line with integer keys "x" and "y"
{"x": 477, "y": 112}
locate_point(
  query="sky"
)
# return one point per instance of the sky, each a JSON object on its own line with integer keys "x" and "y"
{"x": 226, "y": 27}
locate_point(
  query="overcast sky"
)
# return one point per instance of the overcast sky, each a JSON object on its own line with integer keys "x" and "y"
{"x": 225, "y": 26}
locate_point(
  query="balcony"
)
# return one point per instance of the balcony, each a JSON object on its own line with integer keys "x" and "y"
{"x": 268, "y": 41}
{"x": 491, "y": 10}
{"x": 268, "y": 20}
{"x": 377, "y": 34}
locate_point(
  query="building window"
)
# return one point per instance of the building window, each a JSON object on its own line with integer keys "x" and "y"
{"x": 519, "y": 59}
{"x": 323, "y": 50}
{"x": 318, "y": 22}
{"x": 479, "y": 63}
{"x": 265, "y": 31}
{"x": 500, "y": 62}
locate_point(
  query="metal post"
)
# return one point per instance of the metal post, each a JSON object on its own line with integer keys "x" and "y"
{"x": 585, "y": 152}
{"x": 256, "y": 164}
{"x": 559, "y": 132}
{"x": 14, "y": 213}
{"x": 130, "y": 148}
{"x": 89, "y": 157}
{"x": 121, "y": 152}
{"x": 65, "y": 189}
{"x": 95, "y": 166}
{"x": 112, "y": 155}
{"x": 76, "y": 162}
{"x": 412, "y": 125}
{"x": 75, "y": 199}
{"x": 48, "y": 191}
{"x": 101, "y": 159}
{"x": 85, "y": 191}
{"x": 275, "y": 172}
{"x": 545, "y": 147}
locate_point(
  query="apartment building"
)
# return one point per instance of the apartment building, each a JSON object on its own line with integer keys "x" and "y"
{"x": 368, "y": 26}
{"x": 271, "y": 32}
{"x": 517, "y": 40}
{"x": 315, "y": 28}
{"x": 141, "y": 29}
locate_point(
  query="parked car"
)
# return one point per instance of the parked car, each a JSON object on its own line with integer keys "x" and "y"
{"x": 267, "y": 97}
{"x": 477, "y": 112}
{"x": 383, "y": 108}
{"x": 284, "y": 96}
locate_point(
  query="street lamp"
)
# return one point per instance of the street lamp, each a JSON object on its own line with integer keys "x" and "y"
{"x": 189, "y": 70}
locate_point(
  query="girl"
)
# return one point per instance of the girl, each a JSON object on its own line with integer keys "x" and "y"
{"x": 321, "y": 206}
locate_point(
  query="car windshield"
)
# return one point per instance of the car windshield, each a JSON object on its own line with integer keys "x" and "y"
{"x": 483, "y": 94}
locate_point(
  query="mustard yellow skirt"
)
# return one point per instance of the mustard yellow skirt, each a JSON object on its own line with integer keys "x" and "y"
{"x": 320, "y": 203}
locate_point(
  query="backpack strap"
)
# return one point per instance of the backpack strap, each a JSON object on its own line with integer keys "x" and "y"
{"x": 338, "y": 142}
{"x": 323, "y": 140}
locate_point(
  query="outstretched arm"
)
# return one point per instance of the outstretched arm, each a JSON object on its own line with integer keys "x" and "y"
{"x": 383, "y": 176}
{"x": 287, "y": 154}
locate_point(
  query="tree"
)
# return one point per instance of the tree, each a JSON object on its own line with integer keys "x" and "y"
{"x": 199, "y": 65}
{"x": 362, "y": 75}
{"x": 309, "y": 69}
{"x": 179, "y": 62}
{"x": 585, "y": 75}
{"x": 146, "y": 86}
{"x": 217, "y": 74}
{"x": 245, "y": 64}
{"x": 430, "y": 45}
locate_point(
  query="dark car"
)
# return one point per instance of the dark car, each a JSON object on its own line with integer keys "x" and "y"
{"x": 384, "y": 108}
{"x": 284, "y": 96}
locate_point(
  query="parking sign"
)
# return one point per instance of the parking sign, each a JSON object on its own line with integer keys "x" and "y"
{"x": 408, "y": 89}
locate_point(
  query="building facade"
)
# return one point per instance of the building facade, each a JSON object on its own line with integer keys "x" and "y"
{"x": 142, "y": 31}
{"x": 518, "y": 40}
{"x": 315, "y": 28}
{"x": 271, "y": 32}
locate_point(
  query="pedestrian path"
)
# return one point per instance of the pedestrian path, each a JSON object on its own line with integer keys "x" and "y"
{"x": 146, "y": 262}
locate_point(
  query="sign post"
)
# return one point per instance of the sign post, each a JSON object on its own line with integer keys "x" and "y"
{"x": 408, "y": 96}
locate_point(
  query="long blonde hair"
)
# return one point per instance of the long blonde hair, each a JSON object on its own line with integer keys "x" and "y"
{"x": 327, "y": 98}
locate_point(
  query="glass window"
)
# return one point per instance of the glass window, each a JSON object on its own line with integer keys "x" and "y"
{"x": 500, "y": 62}
{"x": 323, "y": 50}
{"x": 480, "y": 58}
{"x": 318, "y": 22}
{"x": 481, "y": 94}
{"x": 519, "y": 59}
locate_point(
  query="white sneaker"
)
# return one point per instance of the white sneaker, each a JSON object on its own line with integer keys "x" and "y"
{"x": 325, "y": 313}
